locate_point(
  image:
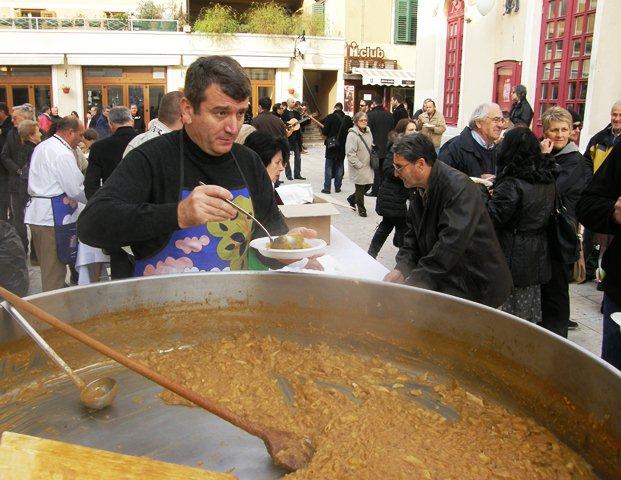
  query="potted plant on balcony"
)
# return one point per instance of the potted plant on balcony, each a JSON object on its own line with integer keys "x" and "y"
{"x": 65, "y": 88}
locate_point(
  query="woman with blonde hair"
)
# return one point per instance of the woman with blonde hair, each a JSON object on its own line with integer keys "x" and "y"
{"x": 358, "y": 152}
{"x": 572, "y": 176}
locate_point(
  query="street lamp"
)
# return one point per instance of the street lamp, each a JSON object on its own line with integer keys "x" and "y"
{"x": 485, "y": 6}
{"x": 301, "y": 46}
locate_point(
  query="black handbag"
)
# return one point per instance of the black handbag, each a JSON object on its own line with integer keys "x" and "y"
{"x": 374, "y": 157}
{"x": 564, "y": 242}
{"x": 331, "y": 142}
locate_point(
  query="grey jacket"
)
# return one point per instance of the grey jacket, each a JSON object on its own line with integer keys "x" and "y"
{"x": 358, "y": 157}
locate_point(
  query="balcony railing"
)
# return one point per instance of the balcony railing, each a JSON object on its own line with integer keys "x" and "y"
{"x": 114, "y": 24}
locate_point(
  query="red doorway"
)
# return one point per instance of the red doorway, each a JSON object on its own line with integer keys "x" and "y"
{"x": 507, "y": 74}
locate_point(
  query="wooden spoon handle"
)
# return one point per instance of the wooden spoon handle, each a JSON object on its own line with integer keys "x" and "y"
{"x": 137, "y": 367}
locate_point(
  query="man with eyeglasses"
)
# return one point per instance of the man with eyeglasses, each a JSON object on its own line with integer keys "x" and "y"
{"x": 365, "y": 106}
{"x": 450, "y": 245}
{"x": 474, "y": 151}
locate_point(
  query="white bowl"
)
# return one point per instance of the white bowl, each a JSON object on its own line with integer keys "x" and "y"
{"x": 317, "y": 247}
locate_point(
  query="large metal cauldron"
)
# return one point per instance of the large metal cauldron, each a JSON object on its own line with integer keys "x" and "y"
{"x": 565, "y": 388}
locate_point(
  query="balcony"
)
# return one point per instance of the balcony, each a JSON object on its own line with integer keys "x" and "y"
{"x": 112, "y": 24}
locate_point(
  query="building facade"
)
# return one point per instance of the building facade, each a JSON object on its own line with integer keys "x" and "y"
{"x": 564, "y": 51}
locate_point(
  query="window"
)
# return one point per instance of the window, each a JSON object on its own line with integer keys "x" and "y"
{"x": 452, "y": 71}
{"x": 405, "y": 21}
{"x": 564, "y": 56}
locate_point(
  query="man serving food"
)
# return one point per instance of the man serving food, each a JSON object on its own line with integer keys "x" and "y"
{"x": 155, "y": 200}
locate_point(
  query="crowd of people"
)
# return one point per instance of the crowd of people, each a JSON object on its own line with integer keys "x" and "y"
{"x": 491, "y": 215}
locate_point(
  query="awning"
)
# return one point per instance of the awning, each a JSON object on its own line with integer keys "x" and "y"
{"x": 381, "y": 76}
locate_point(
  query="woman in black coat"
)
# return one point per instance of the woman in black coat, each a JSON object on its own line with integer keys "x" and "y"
{"x": 392, "y": 195}
{"x": 520, "y": 207}
{"x": 521, "y": 112}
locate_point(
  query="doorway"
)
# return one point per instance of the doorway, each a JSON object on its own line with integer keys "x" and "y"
{"x": 507, "y": 74}
{"x": 320, "y": 90}
{"x": 19, "y": 85}
{"x": 124, "y": 86}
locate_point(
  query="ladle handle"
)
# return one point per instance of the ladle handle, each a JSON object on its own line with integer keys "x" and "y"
{"x": 137, "y": 367}
{"x": 43, "y": 344}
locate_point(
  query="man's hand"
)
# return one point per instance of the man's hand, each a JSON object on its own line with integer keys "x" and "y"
{"x": 488, "y": 176}
{"x": 394, "y": 277}
{"x": 205, "y": 204}
{"x": 546, "y": 146}
{"x": 616, "y": 215}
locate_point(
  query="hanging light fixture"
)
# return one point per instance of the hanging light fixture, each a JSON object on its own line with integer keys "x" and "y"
{"x": 301, "y": 46}
{"x": 485, "y": 6}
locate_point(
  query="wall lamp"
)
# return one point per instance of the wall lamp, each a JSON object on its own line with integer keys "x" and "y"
{"x": 300, "y": 46}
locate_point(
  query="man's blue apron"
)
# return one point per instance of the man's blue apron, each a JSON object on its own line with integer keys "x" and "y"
{"x": 65, "y": 228}
{"x": 215, "y": 246}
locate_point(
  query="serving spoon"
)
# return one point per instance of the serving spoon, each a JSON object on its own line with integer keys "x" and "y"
{"x": 95, "y": 395}
{"x": 287, "y": 449}
{"x": 279, "y": 240}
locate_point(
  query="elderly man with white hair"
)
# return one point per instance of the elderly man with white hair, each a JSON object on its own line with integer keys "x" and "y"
{"x": 473, "y": 152}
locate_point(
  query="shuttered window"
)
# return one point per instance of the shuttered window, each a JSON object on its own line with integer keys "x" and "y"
{"x": 405, "y": 21}
{"x": 319, "y": 9}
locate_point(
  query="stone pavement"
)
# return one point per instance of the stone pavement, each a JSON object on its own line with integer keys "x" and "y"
{"x": 585, "y": 299}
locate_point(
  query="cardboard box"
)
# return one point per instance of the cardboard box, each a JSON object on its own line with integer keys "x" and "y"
{"x": 316, "y": 215}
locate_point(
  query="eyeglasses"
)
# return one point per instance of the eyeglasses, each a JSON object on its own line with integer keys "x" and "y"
{"x": 363, "y": 120}
{"x": 399, "y": 168}
{"x": 496, "y": 119}
{"x": 363, "y": 105}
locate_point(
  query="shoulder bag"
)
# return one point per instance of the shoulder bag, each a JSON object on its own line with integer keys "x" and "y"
{"x": 375, "y": 163}
{"x": 562, "y": 233}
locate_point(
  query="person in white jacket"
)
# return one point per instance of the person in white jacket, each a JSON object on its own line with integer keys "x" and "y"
{"x": 55, "y": 185}
{"x": 358, "y": 151}
{"x": 168, "y": 119}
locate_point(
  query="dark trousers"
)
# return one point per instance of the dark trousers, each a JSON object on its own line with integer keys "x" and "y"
{"x": 555, "y": 300}
{"x": 334, "y": 168}
{"x": 121, "y": 264}
{"x": 611, "y": 341}
{"x": 591, "y": 254}
{"x": 297, "y": 162}
{"x": 377, "y": 177}
{"x": 358, "y": 197}
{"x": 4, "y": 206}
{"x": 18, "y": 201}
{"x": 382, "y": 232}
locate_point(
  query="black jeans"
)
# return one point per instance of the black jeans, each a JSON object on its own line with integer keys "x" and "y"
{"x": 4, "y": 206}
{"x": 18, "y": 201}
{"x": 382, "y": 232}
{"x": 611, "y": 339}
{"x": 555, "y": 300}
{"x": 358, "y": 197}
{"x": 297, "y": 162}
{"x": 334, "y": 168}
{"x": 591, "y": 254}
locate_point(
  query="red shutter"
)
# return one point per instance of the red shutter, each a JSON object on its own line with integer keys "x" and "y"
{"x": 452, "y": 71}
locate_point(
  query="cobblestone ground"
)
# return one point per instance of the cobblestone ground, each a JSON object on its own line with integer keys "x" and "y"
{"x": 585, "y": 299}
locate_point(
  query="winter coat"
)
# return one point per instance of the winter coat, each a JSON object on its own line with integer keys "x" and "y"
{"x": 450, "y": 245}
{"x": 392, "y": 195}
{"x": 331, "y": 126}
{"x": 341, "y": 137}
{"x": 435, "y": 132}
{"x": 465, "y": 155}
{"x": 521, "y": 113}
{"x": 10, "y": 159}
{"x": 573, "y": 175}
{"x": 599, "y": 147}
{"x": 381, "y": 123}
{"x": 5, "y": 128}
{"x": 398, "y": 113}
{"x": 358, "y": 157}
{"x": 520, "y": 209}
{"x": 24, "y": 156}
{"x": 595, "y": 210}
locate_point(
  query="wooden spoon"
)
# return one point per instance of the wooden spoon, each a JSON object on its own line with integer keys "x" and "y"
{"x": 286, "y": 449}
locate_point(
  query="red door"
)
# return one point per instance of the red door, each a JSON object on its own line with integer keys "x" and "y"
{"x": 507, "y": 74}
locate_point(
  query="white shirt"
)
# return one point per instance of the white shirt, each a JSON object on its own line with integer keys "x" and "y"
{"x": 53, "y": 171}
{"x": 156, "y": 129}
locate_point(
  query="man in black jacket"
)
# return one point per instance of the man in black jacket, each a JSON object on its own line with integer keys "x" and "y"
{"x": 473, "y": 152}
{"x": 104, "y": 157}
{"x": 398, "y": 108}
{"x": 599, "y": 209}
{"x": 450, "y": 245}
{"x": 521, "y": 113}
{"x": 333, "y": 168}
{"x": 138, "y": 118}
{"x": 380, "y": 123}
{"x": 6, "y": 125}
{"x": 266, "y": 122}
{"x": 295, "y": 140}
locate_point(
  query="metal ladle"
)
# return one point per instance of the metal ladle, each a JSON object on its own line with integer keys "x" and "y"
{"x": 287, "y": 239}
{"x": 95, "y": 395}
